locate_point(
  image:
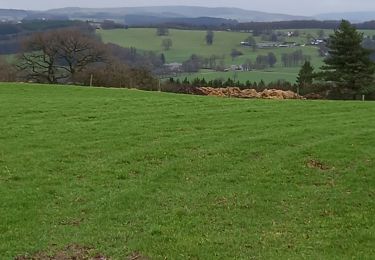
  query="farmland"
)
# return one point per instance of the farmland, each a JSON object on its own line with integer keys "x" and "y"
{"x": 178, "y": 176}
{"x": 186, "y": 43}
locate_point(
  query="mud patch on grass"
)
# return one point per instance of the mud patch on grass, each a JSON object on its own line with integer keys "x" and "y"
{"x": 315, "y": 164}
{"x": 71, "y": 252}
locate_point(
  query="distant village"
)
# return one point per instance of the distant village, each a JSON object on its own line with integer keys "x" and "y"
{"x": 284, "y": 44}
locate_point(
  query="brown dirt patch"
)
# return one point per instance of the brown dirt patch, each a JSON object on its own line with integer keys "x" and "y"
{"x": 71, "y": 252}
{"x": 315, "y": 164}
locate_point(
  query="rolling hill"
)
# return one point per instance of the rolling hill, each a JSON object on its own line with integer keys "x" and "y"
{"x": 156, "y": 11}
{"x": 13, "y": 14}
{"x": 179, "y": 11}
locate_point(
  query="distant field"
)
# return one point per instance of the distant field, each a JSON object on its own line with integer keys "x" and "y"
{"x": 186, "y": 43}
{"x": 184, "y": 177}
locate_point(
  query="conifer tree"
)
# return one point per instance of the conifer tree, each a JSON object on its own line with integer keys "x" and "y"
{"x": 348, "y": 65}
{"x": 305, "y": 76}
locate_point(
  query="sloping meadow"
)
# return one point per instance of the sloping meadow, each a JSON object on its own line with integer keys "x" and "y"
{"x": 180, "y": 176}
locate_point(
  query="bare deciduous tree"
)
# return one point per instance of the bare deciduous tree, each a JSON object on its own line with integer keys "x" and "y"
{"x": 38, "y": 59}
{"x": 57, "y": 55}
{"x": 77, "y": 50}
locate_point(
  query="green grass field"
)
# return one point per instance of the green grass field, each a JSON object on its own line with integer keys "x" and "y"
{"x": 185, "y": 177}
{"x": 188, "y": 42}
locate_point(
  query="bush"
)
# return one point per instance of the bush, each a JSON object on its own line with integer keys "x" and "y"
{"x": 117, "y": 75}
{"x": 8, "y": 72}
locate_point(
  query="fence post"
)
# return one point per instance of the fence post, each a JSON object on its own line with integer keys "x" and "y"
{"x": 91, "y": 79}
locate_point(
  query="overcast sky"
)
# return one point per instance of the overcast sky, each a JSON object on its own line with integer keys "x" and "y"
{"x": 301, "y": 7}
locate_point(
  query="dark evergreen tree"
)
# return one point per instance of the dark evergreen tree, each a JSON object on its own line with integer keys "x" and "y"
{"x": 272, "y": 59}
{"x": 185, "y": 81}
{"x": 262, "y": 85}
{"x": 210, "y": 37}
{"x": 305, "y": 76}
{"x": 167, "y": 44}
{"x": 162, "y": 31}
{"x": 348, "y": 65}
{"x": 235, "y": 53}
{"x": 203, "y": 82}
{"x": 162, "y": 58}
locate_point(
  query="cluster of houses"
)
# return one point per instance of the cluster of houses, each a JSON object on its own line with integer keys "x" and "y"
{"x": 268, "y": 45}
{"x": 318, "y": 41}
{"x": 95, "y": 24}
{"x": 235, "y": 68}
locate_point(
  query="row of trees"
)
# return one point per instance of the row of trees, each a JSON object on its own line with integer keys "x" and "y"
{"x": 294, "y": 59}
{"x": 264, "y": 61}
{"x": 229, "y": 82}
{"x": 261, "y": 62}
{"x": 217, "y": 62}
{"x": 196, "y": 62}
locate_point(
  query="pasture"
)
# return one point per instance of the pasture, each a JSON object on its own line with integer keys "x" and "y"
{"x": 188, "y": 42}
{"x": 181, "y": 177}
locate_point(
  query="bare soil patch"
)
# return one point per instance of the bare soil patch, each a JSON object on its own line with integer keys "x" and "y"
{"x": 315, "y": 164}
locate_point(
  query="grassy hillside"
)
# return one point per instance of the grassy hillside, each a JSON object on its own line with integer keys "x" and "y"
{"x": 179, "y": 177}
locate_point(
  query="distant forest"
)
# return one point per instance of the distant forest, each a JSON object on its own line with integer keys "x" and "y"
{"x": 205, "y": 23}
